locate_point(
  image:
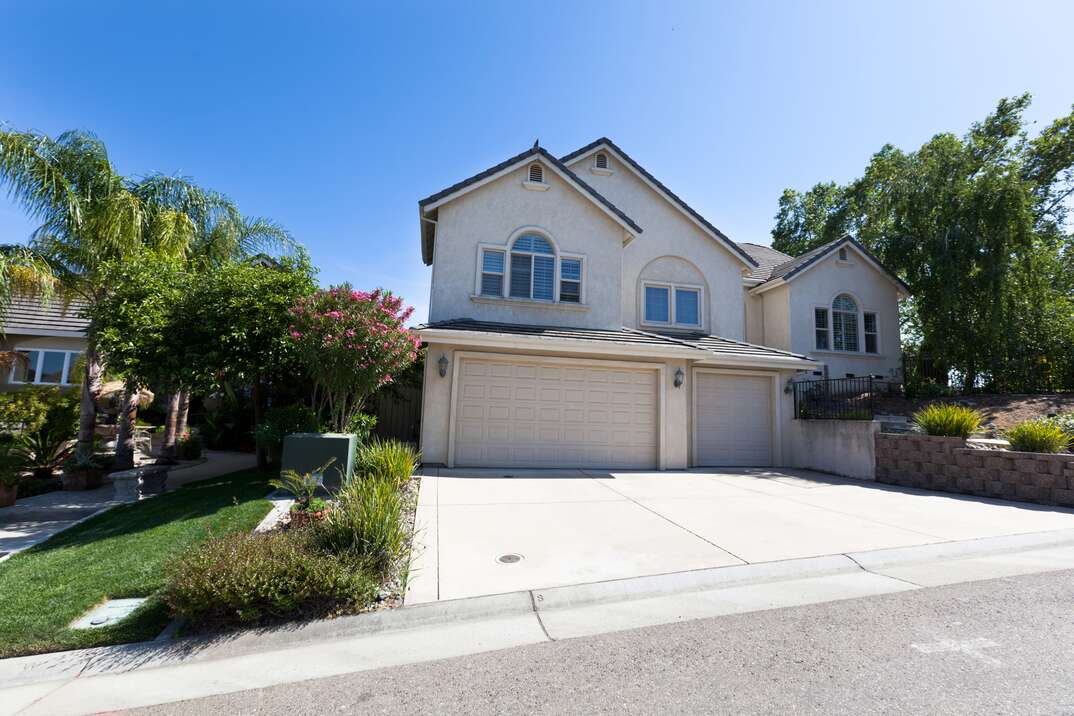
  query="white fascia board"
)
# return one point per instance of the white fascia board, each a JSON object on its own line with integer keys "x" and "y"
{"x": 660, "y": 192}
{"x": 430, "y": 208}
{"x": 767, "y": 286}
{"x": 564, "y": 345}
{"x": 783, "y": 362}
{"x": 51, "y": 333}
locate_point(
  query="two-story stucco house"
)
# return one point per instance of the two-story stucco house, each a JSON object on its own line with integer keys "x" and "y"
{"x": 581, "y": 314}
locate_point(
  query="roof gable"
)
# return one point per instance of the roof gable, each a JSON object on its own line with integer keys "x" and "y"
{"x": 429, "y": 204}
{"x": 608, "y": 145}
{"x": 789, "y": 270}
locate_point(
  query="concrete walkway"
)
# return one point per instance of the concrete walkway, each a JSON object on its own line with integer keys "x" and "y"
{"x": 33, "y": 520}
{"x": 574, "y": 526}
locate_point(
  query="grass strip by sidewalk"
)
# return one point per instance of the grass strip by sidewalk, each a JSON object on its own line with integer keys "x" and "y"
{"x": 121, "y": 553}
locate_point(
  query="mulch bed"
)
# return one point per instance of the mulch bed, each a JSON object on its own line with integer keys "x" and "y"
{"x": 1000, "y": 411}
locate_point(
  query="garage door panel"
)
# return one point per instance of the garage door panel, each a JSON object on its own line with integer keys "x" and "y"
{"x": 733, "y": 419}
{"x": 556, "y": 416}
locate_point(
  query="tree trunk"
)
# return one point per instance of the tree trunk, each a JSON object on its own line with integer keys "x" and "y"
{"x": 87, "y": 418}
{"x": 259, "y": 415}
{"x": 184, "y": 409}
{"x": 167, "y": 448}
{"x": 128, "y": 412}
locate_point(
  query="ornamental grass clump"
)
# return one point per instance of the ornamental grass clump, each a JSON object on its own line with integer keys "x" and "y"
{"x": 947, "y": 420}
{"x": 390, "y": 460}
{"x": 352, "y": 343}
{"x": 1037, "y": 436}
{"x": 366, "y": 524}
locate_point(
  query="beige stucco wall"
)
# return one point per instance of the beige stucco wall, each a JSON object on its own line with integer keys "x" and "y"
{"x": 668, "y": 232}
{"x": 841, "y": 447}
{"x": 777, "y": 311}
{"x": 754, "y": 310}
{"x": 12, "y": 341}
{"x": 500, "y": 210}
{"x": 872, "y": 290}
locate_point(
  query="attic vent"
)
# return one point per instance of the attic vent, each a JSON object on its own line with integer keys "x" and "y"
{"x": 842, "y": 254}
{"x": 536, "y": 173}
{"x": 601, "y": 161}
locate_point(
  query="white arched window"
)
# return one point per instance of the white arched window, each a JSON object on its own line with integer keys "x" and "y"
{"x": 845, "y": 323}
{"x": 533, "y": 268}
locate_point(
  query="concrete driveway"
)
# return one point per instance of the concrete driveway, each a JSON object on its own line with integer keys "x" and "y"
{"x": 577, "y": 526}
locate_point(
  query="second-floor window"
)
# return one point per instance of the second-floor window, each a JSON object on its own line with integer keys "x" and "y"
{"x": 839, "y": 329}
{"x": 671, "y": 305}
{"x": 531, "y": 269}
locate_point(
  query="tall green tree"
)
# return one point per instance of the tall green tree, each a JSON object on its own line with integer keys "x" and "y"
{"x": 979, "y": 228}
{"x": 89, "y": 215}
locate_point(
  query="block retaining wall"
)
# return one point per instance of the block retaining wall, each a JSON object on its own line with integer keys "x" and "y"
{"x": 946, "y": 464}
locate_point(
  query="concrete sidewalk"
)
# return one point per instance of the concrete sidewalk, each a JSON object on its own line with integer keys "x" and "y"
{"x": 135, "y": 675}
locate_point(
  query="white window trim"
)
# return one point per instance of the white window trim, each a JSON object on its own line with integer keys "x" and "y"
{"x": 862, "y": 310}
{"x": 67, "y": 364}
{"x": 673, "y": 322}
{"x": 557, "y": 270}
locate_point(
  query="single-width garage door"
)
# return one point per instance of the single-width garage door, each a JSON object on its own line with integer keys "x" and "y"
{"x": 733, "y": 419}
{"x": 519, "y": 413}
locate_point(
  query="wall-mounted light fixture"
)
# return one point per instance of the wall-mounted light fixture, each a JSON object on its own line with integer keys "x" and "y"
{"x": 442, "y": 365}
{"x": 679, "y": 376}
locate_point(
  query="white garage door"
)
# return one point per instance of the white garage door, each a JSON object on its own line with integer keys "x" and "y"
{"x": 733, "y": 419}
{"x": 513, "y": 413}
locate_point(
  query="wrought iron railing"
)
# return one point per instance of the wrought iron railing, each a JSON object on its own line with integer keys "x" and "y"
{"x": 836, "y": 399}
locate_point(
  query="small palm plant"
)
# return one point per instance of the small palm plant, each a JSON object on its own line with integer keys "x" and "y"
{"x": 304, "y": 486}
{"x": 42, "y": 451}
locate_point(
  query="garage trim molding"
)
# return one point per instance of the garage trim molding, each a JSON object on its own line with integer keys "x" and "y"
{"x": 661, "y": 400}
{"x": 777, "y": 422}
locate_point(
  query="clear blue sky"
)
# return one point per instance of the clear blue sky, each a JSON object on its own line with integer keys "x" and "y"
{"x": 334, "y": 119}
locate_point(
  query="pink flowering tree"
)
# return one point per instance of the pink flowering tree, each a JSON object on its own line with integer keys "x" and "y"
{"x": 352, "y": 343}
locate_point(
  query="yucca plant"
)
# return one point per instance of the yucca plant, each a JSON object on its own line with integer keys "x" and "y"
{"x": 948, "y": 420}
{"x": 390, "y": 460}
{"x": 1037, "y": 436}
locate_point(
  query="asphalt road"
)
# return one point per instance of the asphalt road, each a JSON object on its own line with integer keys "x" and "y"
{"x": 1001, "y": 646}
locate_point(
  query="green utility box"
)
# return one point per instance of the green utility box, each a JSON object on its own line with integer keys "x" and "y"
{"x": 305, "y": 452}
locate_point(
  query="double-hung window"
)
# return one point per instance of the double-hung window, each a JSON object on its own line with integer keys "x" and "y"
{"x": 872, "y": 336}
{"x": 531, "y": 269}
{"x": 845, "y": 323}
{"x": 820, "y": 326}
{"x": 671, "y": 305}
{"x": 44, "y": 367}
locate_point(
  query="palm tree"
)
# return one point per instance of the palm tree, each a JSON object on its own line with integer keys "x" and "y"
{"x": 22, "y": 274}
{"x": 89, "y": 215}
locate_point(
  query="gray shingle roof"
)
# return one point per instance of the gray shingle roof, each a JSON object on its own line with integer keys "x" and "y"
{"x": 625, "y": 336}
{"x": 766, "y": 257}
{"x": 789, "y": 269}
{"x": 682, "y": 204}
{"x": 427, "y": 236}
{"x": 32, "y": 316}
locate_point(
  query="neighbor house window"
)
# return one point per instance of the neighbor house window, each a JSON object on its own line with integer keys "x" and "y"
{"x": 536, "y": 173}
{"x": 820, "y": 326}
{"x": 570, "y": 280}
{"x": 845, "y": 323}
{"x": 872, "y": 341}
{"x": 533, "y": 268}
{"x": 492, "y": 270}
{"x": 601, "y": 161}
{"x": 672, "y": 305}
{"x": 44, "y": 367}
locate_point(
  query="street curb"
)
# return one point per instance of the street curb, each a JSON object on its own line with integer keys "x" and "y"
{"x": 20, "y": 671}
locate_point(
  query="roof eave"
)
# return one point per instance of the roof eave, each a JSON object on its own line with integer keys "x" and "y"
{"x": 487, "y": 339}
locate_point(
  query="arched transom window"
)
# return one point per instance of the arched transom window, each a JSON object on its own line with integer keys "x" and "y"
{"x": 533, "y": 269}
{"x": 844, "y": 326}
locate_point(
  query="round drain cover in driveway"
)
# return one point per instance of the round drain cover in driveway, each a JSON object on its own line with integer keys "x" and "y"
{"x": 509, "y": 558}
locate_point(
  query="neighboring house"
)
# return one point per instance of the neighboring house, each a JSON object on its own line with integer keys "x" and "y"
{"x": 581, "y": 314}
{"x": 48, "y": 340}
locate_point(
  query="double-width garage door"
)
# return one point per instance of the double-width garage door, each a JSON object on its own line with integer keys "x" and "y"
{"x": 525, "y": 413}
{"x": 733, "y": 419}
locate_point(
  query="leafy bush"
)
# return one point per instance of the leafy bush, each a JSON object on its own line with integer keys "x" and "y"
{"x": 302, "y": 485}
{"x": 948, "y": 420}
{"x": 9, "y": 470}
{"x": 189, "y": 447}
{"x": 362, "y": 424}
{"x": 42, "y": 450}
{"x": 1037, "y": 436}
{"x": 247, "y": 578}
{"x": 280, "y": 422}
{"x": 365, "y": 524}
{"x": 389, "y": 460}
{"x": 1065, "y": 422}
{"x": 35, "y": 407}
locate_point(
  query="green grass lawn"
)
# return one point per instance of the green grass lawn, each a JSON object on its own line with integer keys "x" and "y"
{"x": 121, "y": 553}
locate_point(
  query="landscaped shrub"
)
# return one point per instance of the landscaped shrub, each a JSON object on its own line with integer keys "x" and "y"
{"x": 1037, "y": 436}
{"x": 248, "y": 578}
{"x": 362, "y": 425}
{"x": 280, "y": 422}
{"x": 34, "y": 407}
{"x": 948, "y": 420}
{"x": 188, "y": 447}
{"x": 366, "y": 523}
{"x": 1065, "y": 422}
{"x": 303, "y": 485}
{"x": 389, "y": 460}
{"x": 42, "y": 450}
